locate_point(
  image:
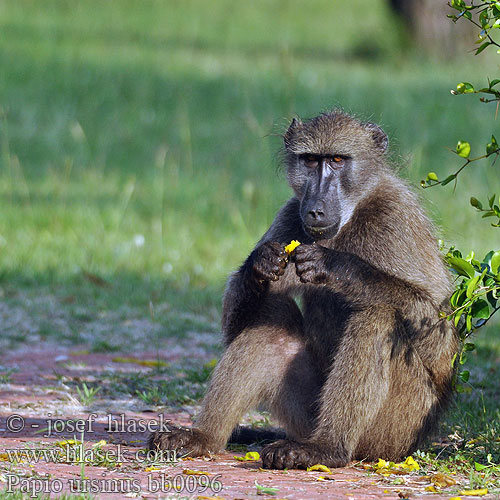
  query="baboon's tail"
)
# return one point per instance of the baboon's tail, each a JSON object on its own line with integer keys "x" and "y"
{"x": 247, "y": 435}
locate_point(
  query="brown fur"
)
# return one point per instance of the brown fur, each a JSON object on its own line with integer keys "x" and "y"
{"x": 363, "y": 368}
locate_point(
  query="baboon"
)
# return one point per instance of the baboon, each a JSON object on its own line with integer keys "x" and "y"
{"x": 343, "y": 340}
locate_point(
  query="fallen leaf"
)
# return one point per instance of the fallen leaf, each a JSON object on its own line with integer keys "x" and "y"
{"x": 474, "y": 493}
{"x": 190, "y": 472}
{"x": 96, "y": 280}
{"x": 141, "y": 362}
{"x": 251, "y": 456}
{"x": 442, "y": 481}
{"x": 319, "y": 467}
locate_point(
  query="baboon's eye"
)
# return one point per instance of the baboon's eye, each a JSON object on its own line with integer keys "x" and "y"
{"x": 336, "y": 161}
{"x": 311, "y": 161}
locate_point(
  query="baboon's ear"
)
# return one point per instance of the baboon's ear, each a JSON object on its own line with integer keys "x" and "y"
{"x": 378, "y": 135}
{"x": 291, "y": 130}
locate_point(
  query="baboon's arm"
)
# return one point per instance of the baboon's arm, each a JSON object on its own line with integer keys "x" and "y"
{"x": 245, "y": 292}
{"x": 353, "y": 277}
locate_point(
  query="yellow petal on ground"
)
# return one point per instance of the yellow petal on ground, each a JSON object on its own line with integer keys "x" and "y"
{"x": 190, "y": 472}
{"x": 149, "y": 469}
{"x": 100, "y": 443}
{"x": 67, "y": 442}
{"x": 4, "y": 457}
{"x": 251, "y": 456}
{"x": 474, "y": 493}
{"x": 410, "y": 464}
{"x": 382, "y": 463}
{"x": 325, "y": 478}
{"x": 141, "y": 362}
{"x": 319, "y": 467}
{"x": 291, "y": 246}
{"x": 455, "y": 498}
{"x": 431, "y": 488}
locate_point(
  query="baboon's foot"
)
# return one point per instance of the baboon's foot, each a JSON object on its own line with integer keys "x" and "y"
{"x": 186, "y": 442}
{"x": 285, "y": 454}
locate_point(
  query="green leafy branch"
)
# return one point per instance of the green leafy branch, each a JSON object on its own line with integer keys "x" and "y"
{"x": 488, "y": 14}
{"x": 476, "y": 297}
{"x": 477, "y": 290}
{"x": 462, "y": 149}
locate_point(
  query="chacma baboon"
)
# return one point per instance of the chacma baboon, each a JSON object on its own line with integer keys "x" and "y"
{"x": 363, "y": 367}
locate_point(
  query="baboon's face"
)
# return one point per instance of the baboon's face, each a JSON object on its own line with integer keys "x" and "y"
{"x": 332, "y": 160}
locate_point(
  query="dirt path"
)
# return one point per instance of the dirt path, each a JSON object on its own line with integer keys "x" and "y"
{"x": 43, "y": 421}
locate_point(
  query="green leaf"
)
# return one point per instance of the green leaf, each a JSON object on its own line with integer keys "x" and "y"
{"x": 483, "y": 18}
{"x": 463, "y": 149}
{"x": 458, "y": 4}
{"x": 265, "y": 490}
{"x": 458, "y": 315}
{"x": 495, "y": 262}
{"x": 492, "y": 146}
{"x": 476, "y": 203}
{"x": 462, "y": 266}
{"x": 468, "y": 325}
{"x": 465, "y": 88}
{"x": 464, "y": 376}
{"x": 469, "y": 346}
{"x": 494, "y": 82}
{"x": 448, "y": 179}
{"x": 472, "y": 286}
{"x": 480, "y": 309}
{"x": 482, "y": 47}
{"x": 431, "y": 176}
{"x": 479, "y": 467}
{"x": 456, "y": 300}
{"x": 491, "y": 200}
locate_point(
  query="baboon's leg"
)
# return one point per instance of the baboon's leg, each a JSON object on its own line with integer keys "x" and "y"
{"x": 409, "y": 412}
{"x": 266, "y": 362}
{"x": 355, "y": 397}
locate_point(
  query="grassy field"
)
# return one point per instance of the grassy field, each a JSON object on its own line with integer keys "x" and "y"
{"x": 140, "y": 139}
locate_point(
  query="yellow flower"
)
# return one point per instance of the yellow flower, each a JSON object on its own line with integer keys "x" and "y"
{"x": 474, "y": 493}
{"x": 292, "y": 246}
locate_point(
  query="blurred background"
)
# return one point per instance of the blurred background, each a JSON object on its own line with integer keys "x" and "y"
{"x": 140, "y": 138}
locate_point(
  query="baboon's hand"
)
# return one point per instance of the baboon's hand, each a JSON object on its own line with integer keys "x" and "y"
{"x": 286, "y": 454}
{"x": 268, "y": 262}
{"x": 185, "y": 441}
{"x": 311, "y": 263}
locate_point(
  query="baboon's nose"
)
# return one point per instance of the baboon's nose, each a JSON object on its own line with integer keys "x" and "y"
{"x": 316, "y": 215}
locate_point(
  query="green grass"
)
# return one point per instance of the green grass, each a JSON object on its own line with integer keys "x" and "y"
{"x": 140, "y": 142}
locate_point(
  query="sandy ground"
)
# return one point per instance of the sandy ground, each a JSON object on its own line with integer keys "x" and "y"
{"x": 40, "y": 413}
